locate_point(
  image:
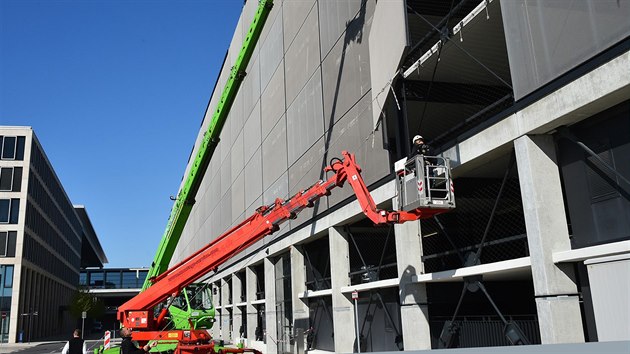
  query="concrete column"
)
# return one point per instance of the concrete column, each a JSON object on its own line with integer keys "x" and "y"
{"x": 343, "y": 308}
{"x": 236, "y": 310}
{"x": 225, "y": 313}
{"x": 414, "y": 311}
{"x": 250, "y": 295}
{"x": 298, "y": 285}
{"x": 216, "y": 302}
{"x": 270, "y": 307}
{"x": 557, "y": 302}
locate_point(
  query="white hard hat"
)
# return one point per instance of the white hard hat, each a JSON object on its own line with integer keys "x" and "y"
{"x": 416, "y": 138}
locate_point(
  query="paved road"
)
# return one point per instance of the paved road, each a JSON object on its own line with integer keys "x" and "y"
{"x": 46, "y": 348}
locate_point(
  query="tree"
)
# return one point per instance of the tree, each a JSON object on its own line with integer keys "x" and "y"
{"x": 84, "y": 301}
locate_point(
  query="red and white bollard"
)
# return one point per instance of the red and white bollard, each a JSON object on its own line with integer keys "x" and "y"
{"x": 106, "y": 343}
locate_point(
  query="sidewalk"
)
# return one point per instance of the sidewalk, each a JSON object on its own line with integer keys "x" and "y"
{"x": 6, "y": 348}
{"x": 14, "y": 347}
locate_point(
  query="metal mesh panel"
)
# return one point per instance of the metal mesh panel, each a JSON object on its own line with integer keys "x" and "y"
{"x": 372, "y": 254}
{"x": 485, "y": 331}
{"x": 457, "y": 73}
{"x": 465, "y": 226}
{"x": 317, "y": 262}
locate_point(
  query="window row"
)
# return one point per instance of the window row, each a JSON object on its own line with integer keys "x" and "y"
{"x": 51, "y": 182}
{"x": 9, "y": 211}
{"x": 113, "y": 279}
{"x": 7, "y": 243}
{"x": 43, "y": 258}
{"x": 37, "y": 224}
{"x": 10, "y": 179}
{"x": 56, "y": 217}
{"x": 12, "y": 147}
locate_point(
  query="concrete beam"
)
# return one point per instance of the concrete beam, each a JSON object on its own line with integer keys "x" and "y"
{"x": 590, "y": 94}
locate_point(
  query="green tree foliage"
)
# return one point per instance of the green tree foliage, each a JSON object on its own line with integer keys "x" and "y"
{"x": 84, "y": 301}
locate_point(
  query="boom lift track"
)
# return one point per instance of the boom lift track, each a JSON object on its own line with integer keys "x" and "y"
{"x": 186, "y": 196}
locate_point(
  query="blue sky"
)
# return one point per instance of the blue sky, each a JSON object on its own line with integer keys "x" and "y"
{"x": 115, "y": 90}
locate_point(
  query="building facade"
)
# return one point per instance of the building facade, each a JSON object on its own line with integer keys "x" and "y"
{"x": 41, "y": 240}
{"x": 532, "y": 111}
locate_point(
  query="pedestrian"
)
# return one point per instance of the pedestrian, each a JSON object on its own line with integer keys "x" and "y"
{"x": 75, "y": 345}
{"x": 128, "y": 347}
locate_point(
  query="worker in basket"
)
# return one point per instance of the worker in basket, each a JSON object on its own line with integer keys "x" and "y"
{"x": 419, "y": 147}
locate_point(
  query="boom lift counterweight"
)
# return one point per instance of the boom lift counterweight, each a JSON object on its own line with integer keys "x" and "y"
{"x": 138, "y": 312}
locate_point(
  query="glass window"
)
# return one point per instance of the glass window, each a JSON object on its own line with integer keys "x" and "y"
{"x": 130, "y": 279}
{"x": 3, "y": 243}
{"x": 96, "y": 279}
{"x": 83, "y": 279}
{"x": 142, "y": 276}
{"x": 19, "y": 153}
{"x": 4, "y": 210}
{"x": 8, "y": 148}
{"x": 112, "y": 279}
{"x": 8, "y": 276}
{"x": 15, "y": 211}
{"x": 11, "y": 241}
{"x": 6, "y": 178}
{"x": 17, "y": 179}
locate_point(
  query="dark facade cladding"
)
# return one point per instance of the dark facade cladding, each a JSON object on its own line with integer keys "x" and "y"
{"x": 36, "y": 215}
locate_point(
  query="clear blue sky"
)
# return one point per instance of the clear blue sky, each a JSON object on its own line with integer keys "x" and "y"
{"x": 115, "y": 90}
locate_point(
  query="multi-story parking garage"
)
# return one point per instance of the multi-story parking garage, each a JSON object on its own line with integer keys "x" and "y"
{"x": 530, "y": 100}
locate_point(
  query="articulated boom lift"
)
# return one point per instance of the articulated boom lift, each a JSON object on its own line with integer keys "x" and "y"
{"x": 138, "y": 313}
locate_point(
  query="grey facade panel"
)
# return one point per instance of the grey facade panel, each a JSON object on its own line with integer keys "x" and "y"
{"x": 545, "y": 39}
{"x": 252, "y": 133}
{"x": 272, "y": 104}
{"x": 225, "y": 212}
{"x": 237, "y": 157}
{"x": 294, "y": 13}
{"x": 236, "y": 117}
{"x": 334, "y": 15}
{"x": 250, "y": 88}
{"x": 353, "y": 134}
{"x": 238, "y": 196}
{"x": 346, "y": 71}
{"x": 226, "y": 140}
{"x": 274, "y": 153}
{"x": 304, "y": 173}
{"x": 253, "y": 182}
{"x": 278, "y": 189}
{"x": 302, "y": 57}
{"x": 226, "y": 175}
{"x": 305, "y": 118}
{"x": 271, "y": 50}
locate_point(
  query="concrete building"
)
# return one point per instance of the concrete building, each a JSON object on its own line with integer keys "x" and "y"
{"x": 44, "y": 241}
{"x": 531, "y": 102}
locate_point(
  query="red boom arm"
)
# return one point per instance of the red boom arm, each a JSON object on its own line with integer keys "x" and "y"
{"x": 138, "y": 313}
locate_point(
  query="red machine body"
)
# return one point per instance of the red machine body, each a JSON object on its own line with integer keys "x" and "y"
{"x": 138, "y": 313}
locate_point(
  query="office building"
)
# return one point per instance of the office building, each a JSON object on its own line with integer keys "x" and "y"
{"x": 530, "y": 100}
{"x": 44, "y": 240}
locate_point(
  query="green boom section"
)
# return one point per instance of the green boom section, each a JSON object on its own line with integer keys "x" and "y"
{"x": 186, "y": 196}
